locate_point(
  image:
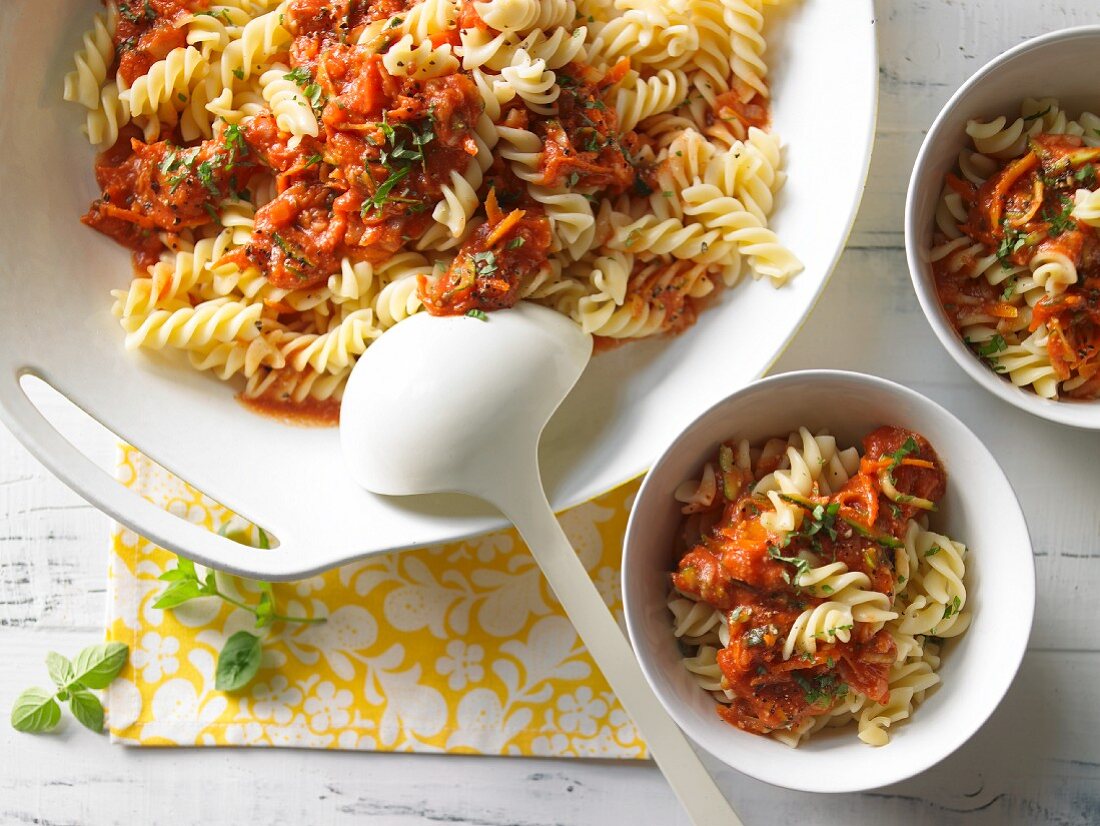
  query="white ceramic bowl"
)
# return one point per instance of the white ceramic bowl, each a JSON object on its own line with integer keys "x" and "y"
{"x": 1063, "y": 65}
{"x": 980, "y": 509}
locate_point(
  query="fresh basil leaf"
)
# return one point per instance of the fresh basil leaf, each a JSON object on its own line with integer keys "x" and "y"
{"x": 238, "y": 661}
{"x": 35, "y": 710}
{"x": 86, "y": 708}
{"x": 60, "y": 668}
{"x": 178, "y": 593}
{"x": 185, "y": 569}
{"x": 187, "y": 566}
{"x": 97, "y": 665}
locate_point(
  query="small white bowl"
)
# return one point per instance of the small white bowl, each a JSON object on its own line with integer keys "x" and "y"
{"x": 980, "y": 510}
{"x": 1062, "y": 65}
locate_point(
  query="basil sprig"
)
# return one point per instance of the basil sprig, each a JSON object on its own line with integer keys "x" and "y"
{"x": 37, "y": 710}
{"x": 240, "y": 657}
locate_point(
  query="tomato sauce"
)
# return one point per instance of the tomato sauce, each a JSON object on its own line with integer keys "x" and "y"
{"x": 487, "y": 272}
{"x": 163, "y": 188}
{"x": 582, "y": 146}
{"x": 147, "y": 31}
{"x": 748, "y": 571}
{"x": 1023, "y": 210}
{"x": 307, "y": 413}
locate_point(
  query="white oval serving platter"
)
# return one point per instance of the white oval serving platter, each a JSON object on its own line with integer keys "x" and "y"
{"x": 55, "y": 278}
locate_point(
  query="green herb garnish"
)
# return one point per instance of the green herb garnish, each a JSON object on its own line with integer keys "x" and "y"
{"x": 801, "y": 566}
{"x": 952, "y": 607}
{"x": 995, "y": 345}
{"x": 485, "y": 263}
{"x": 1060, "y": 222}
{"x": 1013, "y": 241}
{"x": 37, "y": 710}
{"x": 299, "y": 75}
{"x": 240, "y": 657}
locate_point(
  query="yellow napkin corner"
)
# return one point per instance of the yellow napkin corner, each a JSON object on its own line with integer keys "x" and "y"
{"x": 455, "y": 648}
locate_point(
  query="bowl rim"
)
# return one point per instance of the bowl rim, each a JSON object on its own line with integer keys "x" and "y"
{"x": 1084, "y": 414}
{"x": 993, "y": 693}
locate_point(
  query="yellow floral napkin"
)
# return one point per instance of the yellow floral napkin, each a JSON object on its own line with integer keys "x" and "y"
{"x": 456, "y": 648}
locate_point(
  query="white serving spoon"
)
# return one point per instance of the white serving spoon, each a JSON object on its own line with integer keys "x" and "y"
{"x": 458, "y": 404}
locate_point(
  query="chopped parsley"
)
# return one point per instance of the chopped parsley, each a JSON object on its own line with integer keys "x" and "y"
{"x": 516, "y": 243}
{"x": 909, "y": 446}
{"x": 801, "y": 566}
{"x": 485, "y": 263}
{"x": 1086, "y": 176}
{"x": 1013, "y": 241}
{"x": 238, "y": 73}
{"x": 995, "y": 345}
{"x": 381, "y": 194}
{"x": 206, "y": 178}
{"x": 952, "y": 607}
{"x": 480, "y": 315}
{"x": 299, "y": 74}
{"x": 315, "y": 158}
{"x": 148, "y": 13}
{"x": 1060, "y": 222}
{"x": 823, "y": 687}
{"x": 1009, "y": 289}
{"x": 312, "y": 91}
{"x": 819, "y": 519}
{"x": 935, "y": 549}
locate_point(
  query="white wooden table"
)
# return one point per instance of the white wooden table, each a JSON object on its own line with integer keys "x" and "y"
{"x": 1036, "y": 761}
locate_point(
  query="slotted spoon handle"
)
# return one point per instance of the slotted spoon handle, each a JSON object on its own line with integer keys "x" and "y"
{"x": 527, "y": 507}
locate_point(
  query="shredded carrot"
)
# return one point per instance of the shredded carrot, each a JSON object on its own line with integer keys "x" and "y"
{"x": 503, "y": 227}
{"x": 1002, "y": 309}
{"x": 492, "y": 208}
{"x": 616, "y": 73}
{"x": 1008, "y": 177}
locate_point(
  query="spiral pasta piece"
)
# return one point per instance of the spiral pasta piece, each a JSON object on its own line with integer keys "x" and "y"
{"x": 167, "y": 82}
{"x": 82, "y": 84}
{"x": 293, "y": 113}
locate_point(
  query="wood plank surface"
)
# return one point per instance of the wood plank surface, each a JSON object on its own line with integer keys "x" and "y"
{"x": 1036, "y": 761}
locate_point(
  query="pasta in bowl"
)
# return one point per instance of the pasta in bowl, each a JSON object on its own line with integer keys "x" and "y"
{"x": 1002, "y": 229}
{"x": 821, "y": 594}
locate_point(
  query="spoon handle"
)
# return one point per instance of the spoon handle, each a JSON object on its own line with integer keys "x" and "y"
{"x": 531, "y": 514}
